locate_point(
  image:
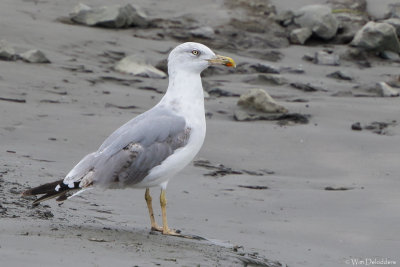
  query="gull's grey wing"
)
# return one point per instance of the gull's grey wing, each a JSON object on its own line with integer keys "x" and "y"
{"x": 128, "y": 154}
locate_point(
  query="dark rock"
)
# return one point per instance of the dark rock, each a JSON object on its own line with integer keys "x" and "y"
{"x": 349, "y": 25}
{"x": 218, "y": 170}
{"x": 273, "y": 56}
{"x": 377, "y": 37}
{"x": 265, "y": 68}
{"x": 110, "y": 105}
{"x": 389, "y": 55}
{"x": 352, "y": 15}
{"x": 285, "y": 18}
{"x": 212, "y": 70}
{"x": 163, "y": 65}
{"x": 308, "y": 57}
{"x": 360, "y": 56}
{"x": 342, "y": 188}
{"x": 379, "y": 127}
{"x": 283, "y": 119}
{"x": 258, "y": 187}
{"x": 319, "y": 19}
{"x": 306, "y": 87}
{"x": 341, "y": 75}
{"x": 356, "y": 126}
{"x": 298, "y": 70}
{"x": 270, "y": 79}
{"x": 218, "y": 92}
{"x": 7, "y": 52}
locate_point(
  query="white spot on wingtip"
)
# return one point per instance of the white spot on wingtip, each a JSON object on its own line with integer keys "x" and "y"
{"x": 71, "y": 185}
{"x": 57, "y": 188}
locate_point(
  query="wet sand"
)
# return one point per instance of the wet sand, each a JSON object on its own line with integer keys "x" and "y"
{"x": 296, "y": 221}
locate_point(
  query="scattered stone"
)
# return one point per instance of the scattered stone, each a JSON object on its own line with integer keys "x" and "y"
{"x": 257, "y": 187}
{"x": 379, "y": 127}
{"x": 269, "y": 79}
{"x": 341, "y": 75}
{"x": 34, "y": 56}
{"x": 342, "y": 188}
{"x": 385, "y": 90}
{"x": 300, "y": 36}
{"x": 298, "y": 70}
{"x": 205, "y": 32}
{"x": 394, "y": 10}
{"x": 117, "y": 80}
{"x": 355, "y": 6}
{"x": 253, "y": 259}
{"x": 375, "y": 127}
{"x": 389, "y": 55}
{"x": 319, "y": 19}
{"x": 218, "y": 92}
{"x": 308, "y": 57}
{"x": 7, "y": 52}
{"x": 298, "y": 100}
{"x": 377, "y": 37}
{"x": 283, "y": 119}
{"x": 95, "y": 239}
{"x": 356, "y": 126}
{"x": 78, "y": 68}
{"x": 306, "y": 87}
{"x": 265, "y": 68}
{"x": 349, "y": 26}
{"x": 163, "y": 65}
{"x": 110, "y": 105}
{"x": 137, "y": 65}
{"x": 394, "y": 81}
{"x": 395, "y": 22}
{"x": 326, "y": 58}
{"x": 285, "y": 18}
{"x": 51, "y": 101}
{"x": 219, "y": 170}
{"x": 79, "y": 8}
{"x": 358, "y": 55}
{"x": 16, "y": 100}
{"x": 115, "y": 16}
{"x": 273, "y": 55}
{"x": 260, "y": 100}
{"x": 352, "y": 15}
{"x": 251, "y": 35}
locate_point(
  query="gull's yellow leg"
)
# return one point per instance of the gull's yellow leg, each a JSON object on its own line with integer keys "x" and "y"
{"x": 148, "y": 199}
{"x": 163, "y": 203}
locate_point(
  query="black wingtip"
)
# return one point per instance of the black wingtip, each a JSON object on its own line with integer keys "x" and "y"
{"x": 49, "y": 191}
{"x": 42, "y": 189}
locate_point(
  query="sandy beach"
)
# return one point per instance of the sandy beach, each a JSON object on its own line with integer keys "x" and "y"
{"x": 315, "y": 194}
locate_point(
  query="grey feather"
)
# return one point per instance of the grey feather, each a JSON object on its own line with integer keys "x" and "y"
{"x": 128, "y": 154}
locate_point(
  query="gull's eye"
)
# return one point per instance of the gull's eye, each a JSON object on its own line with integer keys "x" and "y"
{"x": 195, "y": 52}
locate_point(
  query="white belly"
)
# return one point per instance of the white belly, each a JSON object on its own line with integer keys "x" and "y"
{"x": 160, "y": 174}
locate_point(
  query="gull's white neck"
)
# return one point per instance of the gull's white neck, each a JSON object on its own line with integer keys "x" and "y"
{"x": 184, "y": 94}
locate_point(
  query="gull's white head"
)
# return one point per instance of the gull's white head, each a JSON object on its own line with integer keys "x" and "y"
{"x": 195, "y": 57}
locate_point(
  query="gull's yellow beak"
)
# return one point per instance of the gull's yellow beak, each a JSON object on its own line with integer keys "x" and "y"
{"x": 222, "y": 60}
